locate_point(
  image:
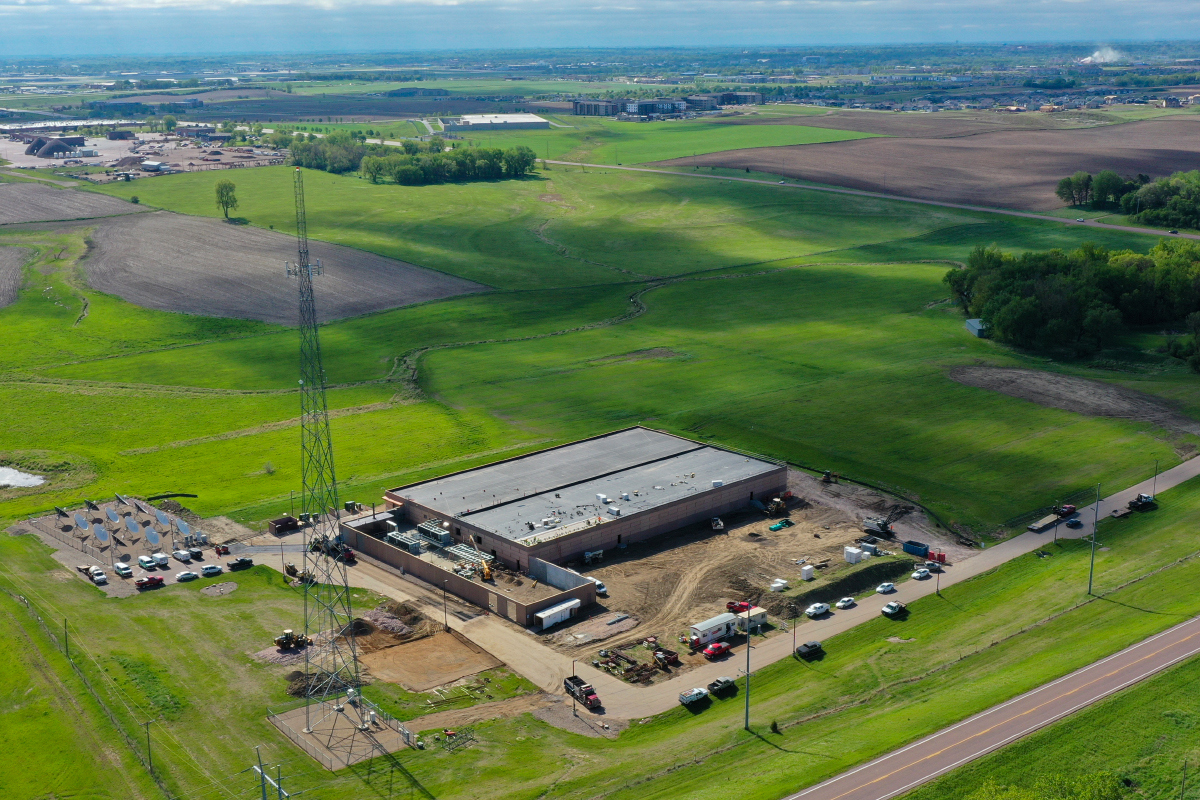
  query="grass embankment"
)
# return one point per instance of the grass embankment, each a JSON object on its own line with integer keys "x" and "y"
{"x": 1146, "y": 734}
{"x": 888, "y": 682}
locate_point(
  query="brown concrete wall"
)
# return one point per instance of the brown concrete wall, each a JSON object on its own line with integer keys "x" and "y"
{"x": 483, "y": 595}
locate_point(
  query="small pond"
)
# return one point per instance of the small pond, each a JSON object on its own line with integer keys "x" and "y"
{"x": 12, "y": 477}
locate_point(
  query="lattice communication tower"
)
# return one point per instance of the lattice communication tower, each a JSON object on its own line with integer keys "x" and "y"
{"x": 331, "y": 662}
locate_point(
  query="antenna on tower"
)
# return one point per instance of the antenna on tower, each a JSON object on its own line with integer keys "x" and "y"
{"x": 339, "y": 720}
{"x": 331, "y": 662}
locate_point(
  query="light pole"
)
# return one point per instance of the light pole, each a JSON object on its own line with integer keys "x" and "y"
{"x": 1095, "y": 524}
{"x": 793, "y": 632}
{"x": 748, "y": 669}
{"x": 445, "y": 608}
{"x": 574, "y": 710}
{"x": 938, "y": 589}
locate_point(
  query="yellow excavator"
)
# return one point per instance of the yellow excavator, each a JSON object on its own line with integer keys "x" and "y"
{"x": 290, "y": 639}
{"x": 485, "y": 570}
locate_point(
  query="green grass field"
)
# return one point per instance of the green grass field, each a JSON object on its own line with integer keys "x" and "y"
{"x": 979, "y": 643}
{"x": 794, "y": 323}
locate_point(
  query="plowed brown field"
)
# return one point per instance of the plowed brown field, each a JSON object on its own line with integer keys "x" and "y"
{"x": 1006, "y": 169}
{"x": 197, "y": 265}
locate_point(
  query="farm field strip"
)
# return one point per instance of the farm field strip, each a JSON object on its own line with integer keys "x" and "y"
{"x": 1043, "y": 217}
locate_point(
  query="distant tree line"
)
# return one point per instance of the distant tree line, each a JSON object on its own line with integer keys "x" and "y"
{"x": 453, "y": 166}
{"x": 1172, "y": 202}
{"x": 416, "y": 163}
{"x": 1083, "y": 300}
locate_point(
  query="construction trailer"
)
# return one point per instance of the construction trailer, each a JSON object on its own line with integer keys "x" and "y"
{"x": 756, "y": 617}
{"x": 713, "y": 629}
{"x": 559, "y": 613}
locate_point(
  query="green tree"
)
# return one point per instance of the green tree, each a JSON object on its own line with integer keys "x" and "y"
{"x": 169, "y": 122}
{"x": 1066, "y": 191}
{"x": 226, "y": 197}
{"x": 1107, "y": 187}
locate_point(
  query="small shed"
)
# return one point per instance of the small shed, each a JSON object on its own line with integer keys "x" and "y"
{"x": 756, "y": 616}
{"x": 977, "y": 327}
{"x": 556, "y": 614}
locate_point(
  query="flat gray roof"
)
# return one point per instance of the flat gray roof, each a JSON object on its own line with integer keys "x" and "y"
{"x": 653, "y": 468}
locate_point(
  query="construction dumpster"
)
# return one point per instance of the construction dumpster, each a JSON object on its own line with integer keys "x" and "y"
{"x": 918, "y": 549}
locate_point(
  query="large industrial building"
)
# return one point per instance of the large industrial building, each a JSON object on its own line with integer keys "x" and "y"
{"x": 495, "y": 122}
{"x": 597, "y": 494}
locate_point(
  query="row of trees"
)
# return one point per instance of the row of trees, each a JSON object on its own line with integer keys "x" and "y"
{"x": 463, "y": 164}
{"x": 1170, "y": 202}
{"x": 418, "y": 164}
{"x": 1105, "y": 190}
{"x": 1082, "y": 300}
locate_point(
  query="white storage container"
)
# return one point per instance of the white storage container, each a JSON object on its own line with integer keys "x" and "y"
{"x": 853, "y": 555}
{"x": 808, "y": 572}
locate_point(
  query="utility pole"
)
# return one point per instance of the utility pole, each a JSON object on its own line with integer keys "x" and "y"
{"x": 1154, "y": 485}
{"x": 1095, "y": 524}
{"x": 264, "y": 779}
{"x": 748, "y": 669}
{"x": 66, "y": 640}
{"x": 445, "y": 608}
{"x": 149, "y": 754}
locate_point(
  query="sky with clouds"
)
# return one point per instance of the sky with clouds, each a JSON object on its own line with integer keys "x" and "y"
{"x": 114, "y": 27}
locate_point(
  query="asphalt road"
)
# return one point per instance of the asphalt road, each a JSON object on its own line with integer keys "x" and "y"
{"x": 924, "y": 760}
{"x": 883, "y": 196}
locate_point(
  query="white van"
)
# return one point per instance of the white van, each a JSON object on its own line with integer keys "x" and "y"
{"x": 161, "y": 559}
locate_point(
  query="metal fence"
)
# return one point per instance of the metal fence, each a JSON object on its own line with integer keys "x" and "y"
{"x": 73, "y": 542}
{"x": 61, "y": 642}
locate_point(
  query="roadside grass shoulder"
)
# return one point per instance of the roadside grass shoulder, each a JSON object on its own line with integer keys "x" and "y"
{"x": 1146, "y": 734}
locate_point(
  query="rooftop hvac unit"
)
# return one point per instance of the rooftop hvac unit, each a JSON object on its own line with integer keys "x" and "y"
{"x": 616, "y": 512}
{"x": 602, "y": 499}
{"x": 718, "y": 484}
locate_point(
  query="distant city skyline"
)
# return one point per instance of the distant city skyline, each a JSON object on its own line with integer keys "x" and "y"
{"x": 141, "y": 27}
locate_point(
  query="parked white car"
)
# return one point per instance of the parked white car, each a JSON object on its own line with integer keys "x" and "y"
{"x": 921, "y": 574}
{"x": 161, "y": 559}
{"x": 145, "y": 562}
{"x": 600, "y": 587}
{"x": 817, "y": 609}
{"x": 845, "y": 602}
{"x": 186, "y": 575}
{"x": 885, "y": 588}
{"x": 122, "y": 569}
{"x": 182, "y": 555}
{"x": 97, "y": 575}
{"x": 210, "y": 569}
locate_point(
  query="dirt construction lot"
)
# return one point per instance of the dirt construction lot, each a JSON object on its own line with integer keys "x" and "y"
{"x": 31, "y": 202}
{"x": 433, "y": 661}
{"x": 1007, "y": 169}
{"x": 687, "y": 576}
{"x": 197, "y": 265}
